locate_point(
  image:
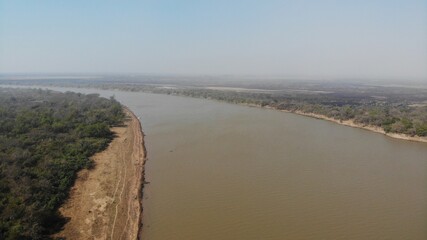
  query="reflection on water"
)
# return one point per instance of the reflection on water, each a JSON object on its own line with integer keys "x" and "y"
{"x": 222, "y": 171}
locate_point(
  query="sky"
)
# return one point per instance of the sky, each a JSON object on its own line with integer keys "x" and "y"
{"x": 384, "y": 39}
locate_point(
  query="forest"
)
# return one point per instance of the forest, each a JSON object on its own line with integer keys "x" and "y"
{"x": 46, "y": 137}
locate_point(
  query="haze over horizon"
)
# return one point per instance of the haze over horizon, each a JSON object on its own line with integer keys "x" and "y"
{"x": 301, "y": 39}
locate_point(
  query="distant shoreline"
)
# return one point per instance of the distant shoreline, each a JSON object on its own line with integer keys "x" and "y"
{"x": 349, "y": 123}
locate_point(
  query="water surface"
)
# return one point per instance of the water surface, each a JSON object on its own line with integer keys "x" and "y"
{"x": 228, "y": 172}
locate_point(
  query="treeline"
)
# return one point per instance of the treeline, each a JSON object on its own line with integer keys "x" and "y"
{"x": 45, "y": 138}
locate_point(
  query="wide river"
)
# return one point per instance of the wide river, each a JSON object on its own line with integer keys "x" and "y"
{"x": 227, "y": 172}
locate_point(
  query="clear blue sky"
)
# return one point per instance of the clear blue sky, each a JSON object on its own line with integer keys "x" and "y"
{"x": 295, "y": 38}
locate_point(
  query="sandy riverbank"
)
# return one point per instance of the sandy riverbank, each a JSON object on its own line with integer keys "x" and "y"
{"x": 351, "y": 123}
{"x": 105, "y": 202}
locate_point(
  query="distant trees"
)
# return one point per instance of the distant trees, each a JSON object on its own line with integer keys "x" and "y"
{"x": 45, "y": 138}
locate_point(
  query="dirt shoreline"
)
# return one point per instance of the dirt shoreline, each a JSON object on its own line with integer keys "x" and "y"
{"x": 350, "y": 123}
{"x": 106, "y": 201}
{"x": 376, "y": 129}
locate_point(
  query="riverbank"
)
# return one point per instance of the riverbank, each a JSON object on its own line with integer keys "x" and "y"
{"x": 351, "y": 123}
{"x": 106, "y": 201}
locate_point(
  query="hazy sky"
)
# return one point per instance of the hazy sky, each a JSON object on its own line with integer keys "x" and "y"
{"x": 295, "y": 38}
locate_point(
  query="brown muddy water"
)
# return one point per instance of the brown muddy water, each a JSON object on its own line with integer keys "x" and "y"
{"x": 226, "y": 172}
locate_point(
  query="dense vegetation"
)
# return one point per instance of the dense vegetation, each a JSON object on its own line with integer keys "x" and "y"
{"x": 45, "y": 138}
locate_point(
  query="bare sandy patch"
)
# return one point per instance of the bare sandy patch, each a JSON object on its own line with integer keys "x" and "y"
{"x": 105, "y": 202}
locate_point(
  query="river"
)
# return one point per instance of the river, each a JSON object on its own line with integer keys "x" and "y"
{"x": 227, "y": 172}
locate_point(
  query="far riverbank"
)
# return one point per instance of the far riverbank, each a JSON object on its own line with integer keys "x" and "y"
{"x": 349, "y": 123}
